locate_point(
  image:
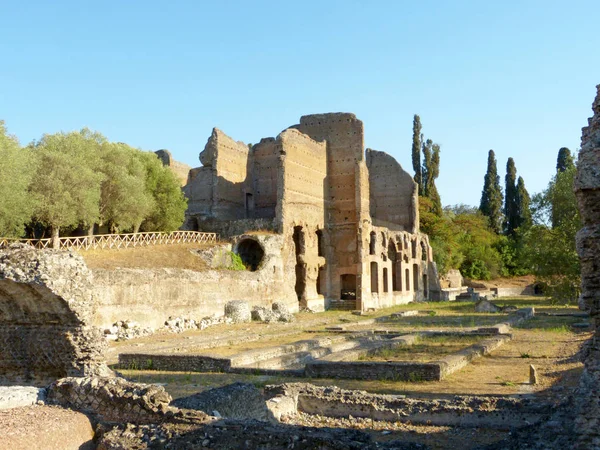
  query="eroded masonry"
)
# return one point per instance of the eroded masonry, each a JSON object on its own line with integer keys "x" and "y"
{"x": 348, "y": 217}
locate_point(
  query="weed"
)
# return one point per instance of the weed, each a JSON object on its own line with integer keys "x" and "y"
{"x": 432, "y": 313}
{"x": 525, "y": 355}
{"x": 149, "y": 364}
{"x": 236, "y": 262}
{"x": 508, "y": 383}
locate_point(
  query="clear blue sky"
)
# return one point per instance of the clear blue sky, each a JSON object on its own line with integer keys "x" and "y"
{"x": 515, "y": 76}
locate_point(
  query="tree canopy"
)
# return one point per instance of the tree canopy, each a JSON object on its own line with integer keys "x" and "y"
{"x": 564, "y": 159}
{"x": 66, "y": 181}
{"x": 78, "y": 180}
{"x": 16, "y": 173}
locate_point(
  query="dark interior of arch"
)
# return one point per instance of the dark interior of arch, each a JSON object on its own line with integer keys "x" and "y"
{"x": 251, "y": 253}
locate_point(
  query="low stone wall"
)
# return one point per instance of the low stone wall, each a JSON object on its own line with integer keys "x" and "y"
{"x": 512, "y": 291}
{"x": 367, "y": 370}
{"x": 173, "y": 363}
{"x": 404, "y": 370}
{"x": 447, "y": 294}
{"x": 150, "y": 296}
{"x": 112, "y": 399}
{"x": 466, "y": 411}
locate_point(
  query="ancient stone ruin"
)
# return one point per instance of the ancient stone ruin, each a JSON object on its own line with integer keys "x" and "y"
{"x": 587, "y": 188}
{"x": 349, "y": 217}
{"x": 46, "y": 310}
{"x": 180, "y": 169}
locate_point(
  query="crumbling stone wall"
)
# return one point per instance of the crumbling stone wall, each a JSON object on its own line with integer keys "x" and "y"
{"x": 46, "y": 310}
{"x": 216, "y": 188}
{"x": 180, "y": 169}
{"x": 150, "y": 296}
{"x": 112, "y": 399}
{"x": 263, "y": 173}
{"x": 301, "y": 212}
{"x": 587, "y": 188}
{"x": 393, "y": 193}
{"x": 348, "y": 194}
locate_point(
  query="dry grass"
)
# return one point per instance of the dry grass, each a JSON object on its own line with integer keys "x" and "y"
{"x": 161, "y": 256}
{"x": 427, "y": 348}
{"x": 504, "y": 372}
{"x": 547, "y": 342}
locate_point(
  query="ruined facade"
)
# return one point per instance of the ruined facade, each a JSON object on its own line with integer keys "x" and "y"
{"x": 46, "y": 311}
{"x": 180, "y": 170}
{"x": 349, "y": 217}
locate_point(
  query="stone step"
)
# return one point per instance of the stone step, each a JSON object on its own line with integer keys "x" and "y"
{"x": 368, "y": 346}
{"x": 342, "y": 305}
{"x": 251, "y": 357}
{"x": 298, "y": 359}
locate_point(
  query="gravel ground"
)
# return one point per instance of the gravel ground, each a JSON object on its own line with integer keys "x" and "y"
{"x": 44, "y": 428}
{"x": 431, "y": 437}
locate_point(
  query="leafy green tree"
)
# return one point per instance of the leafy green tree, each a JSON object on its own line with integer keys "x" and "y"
{"x": 169, "y": 202}
{"x": 564, "y": 160}
{"x": 461, "y": 239}
{"x": 416, "y": 151}
{"x": 477, "y": 243}
{"x": 551, "y": 249}
{"x": 16, "y": 173}
{"x": 125, "y": 201}
{"x": 491, "y": 196}
{"x": 510, "y": 199}
{"x": 66, "y": 180}
{"x": 442, "y": 236}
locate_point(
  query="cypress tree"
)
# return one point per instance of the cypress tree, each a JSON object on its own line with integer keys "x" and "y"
{"x": 491, "y": 196}
{"x": 416, "y": 152}
{"x": 427, "y": 155}
{"x": 430, "y": 171}
{"x": 523, "y": 205}
{"x": 432, "y": 174}
{"x": 510, "y": 199}
{"x": 564, "y": 160}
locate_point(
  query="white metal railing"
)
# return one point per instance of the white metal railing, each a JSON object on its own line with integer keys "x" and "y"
{"x": 118, "y": 241}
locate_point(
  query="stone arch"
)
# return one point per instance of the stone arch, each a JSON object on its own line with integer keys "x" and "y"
{"x": 374, "y": 277}
{"x": 372, "y": 243}
{"x": 45, "y": 330}
{"x": 251, "y": 253}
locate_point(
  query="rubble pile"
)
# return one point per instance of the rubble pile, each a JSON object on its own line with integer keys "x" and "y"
{"x": 126, "y": 329}
{"x": 278, "y": 313}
